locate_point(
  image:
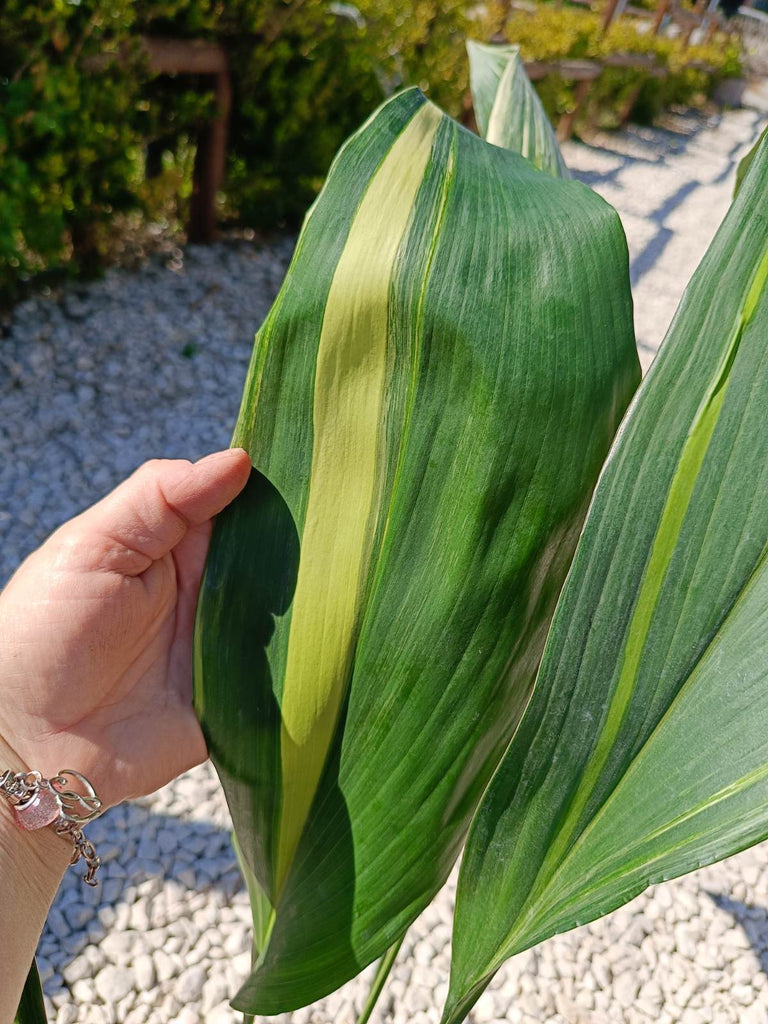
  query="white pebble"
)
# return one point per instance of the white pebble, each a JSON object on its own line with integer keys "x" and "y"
{"x": 144, "y": 969}
{"x": 189, "y": 986}
{"x": 114, "y": 983}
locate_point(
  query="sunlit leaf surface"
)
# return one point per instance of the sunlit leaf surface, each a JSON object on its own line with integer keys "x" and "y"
{"x": 644, "y": 752}
{"x": 427, "y": 409}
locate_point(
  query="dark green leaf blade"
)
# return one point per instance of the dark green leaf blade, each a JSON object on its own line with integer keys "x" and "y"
{"x": 643, "y": 752}
{"x": 31, "y": 1006}
{"x": 430, "y": 401}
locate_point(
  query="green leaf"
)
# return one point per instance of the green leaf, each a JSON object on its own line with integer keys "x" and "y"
{"x": 31, "y": 1007}
{"x": 508, "y": 110}
{"x": 644, "y": 751}
{"x": 746, "y": 162}
{"x": 427, "y": 409}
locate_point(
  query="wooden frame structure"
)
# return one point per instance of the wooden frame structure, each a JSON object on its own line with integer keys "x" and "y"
{"x": 198, "y": 57}
{"x": 193, "y": 57}
{"x": 583, "y": 72}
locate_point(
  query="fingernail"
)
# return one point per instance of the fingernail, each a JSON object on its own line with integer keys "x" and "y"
{"x": 227, "y": 453}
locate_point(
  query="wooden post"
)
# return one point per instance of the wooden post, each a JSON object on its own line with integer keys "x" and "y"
{"x": 709, "y": 20}
{"x": 613, "y": 10}
{"x": 693, "y": 20}
{"x": 504, "y": 13}
{"x": 661, "y": 11}
{"x": 582, "y": 72}
{"x": 208, "y": 172}
{"x": 184, "y": 56}
{"x": 568, "y": 121}
{"x": 685, "y": 36}
{"x": 628, "y": 106}
{"x": 190, "y": 56}
{"x": 714, "y": 23}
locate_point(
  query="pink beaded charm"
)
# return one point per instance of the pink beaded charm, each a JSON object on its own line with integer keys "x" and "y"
{"x": 37, "y": 802}
{"x": 41, "y": 810}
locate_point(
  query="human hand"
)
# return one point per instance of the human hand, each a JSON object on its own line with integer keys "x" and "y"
{"x": 96, "y": 631}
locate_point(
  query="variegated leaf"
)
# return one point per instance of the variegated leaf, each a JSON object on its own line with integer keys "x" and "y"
{"x": 644, "y": 752}
{"x": 427, "y": 409}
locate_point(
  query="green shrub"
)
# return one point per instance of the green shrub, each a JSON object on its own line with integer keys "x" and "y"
{"x": 305, "y": 74}
{"x": 74, "y": 127}
{"x": 68, "y": 148}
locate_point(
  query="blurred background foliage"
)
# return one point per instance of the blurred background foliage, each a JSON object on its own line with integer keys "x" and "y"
{"x": 88, "y": 142}
{"x": 552, "y": 33}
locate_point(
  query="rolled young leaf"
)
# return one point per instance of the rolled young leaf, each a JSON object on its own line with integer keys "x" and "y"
{"x": 644, "y": 751}
{"x": 508, "y": 110}
{"x": 427, "y": 408}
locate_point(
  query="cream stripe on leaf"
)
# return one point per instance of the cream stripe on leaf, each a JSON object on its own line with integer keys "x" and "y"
{"x": 341, "y": 512}
{"x": 429, "y": 404}
{"x": 642, "y": 754}
{"x": 244, "y": 618}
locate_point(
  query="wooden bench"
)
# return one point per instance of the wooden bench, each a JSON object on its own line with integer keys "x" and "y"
{"x": 704, "y": 16}
{"x": 195, "y": 57}
{"x": 582, "y": 72}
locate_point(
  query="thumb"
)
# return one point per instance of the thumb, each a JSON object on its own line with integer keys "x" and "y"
{"x": 150, "y": 513}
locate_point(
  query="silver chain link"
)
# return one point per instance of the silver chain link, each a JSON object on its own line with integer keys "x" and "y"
{"x": 83, "y": 848}
{"x": 20, "y": 786}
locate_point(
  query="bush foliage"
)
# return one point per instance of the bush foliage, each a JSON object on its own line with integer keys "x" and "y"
{"x": 75, "y": 127}
{"x": 557, "y": 33}
{"x": 67, "y": 138}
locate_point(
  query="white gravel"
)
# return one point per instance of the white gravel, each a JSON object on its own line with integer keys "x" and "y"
{"x": 151, "y": 363}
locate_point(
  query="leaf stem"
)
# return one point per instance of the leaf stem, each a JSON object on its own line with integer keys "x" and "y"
{"x": 382, "y": 973}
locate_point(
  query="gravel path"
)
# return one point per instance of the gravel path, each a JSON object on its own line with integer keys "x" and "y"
{"x": 152, "y": 362}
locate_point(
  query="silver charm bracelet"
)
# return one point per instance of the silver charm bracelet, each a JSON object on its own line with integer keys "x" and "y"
{"x": 38, "y": 802}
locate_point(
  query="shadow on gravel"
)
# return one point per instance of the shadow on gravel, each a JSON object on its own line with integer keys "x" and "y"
{"x": 646, "y": 259}
{"x": 142, "y": 850}
{"x": 754, "y": 921}
{"x": 158, "y": 870}
{"x": 654, "y": 145}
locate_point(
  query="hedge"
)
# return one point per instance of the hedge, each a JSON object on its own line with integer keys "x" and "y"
{"x": 305, "y": 73}
{"x": 74, "y": 132}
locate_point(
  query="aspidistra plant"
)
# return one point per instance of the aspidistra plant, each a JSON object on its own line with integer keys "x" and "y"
{"x": 428, "y": 406}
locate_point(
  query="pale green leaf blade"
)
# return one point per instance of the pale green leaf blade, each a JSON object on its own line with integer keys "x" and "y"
{"x": 508, "y": 110}
{"x": 428, "y": 406}
{"x": 487, "y": 64}
{"x": 643, "y": 752}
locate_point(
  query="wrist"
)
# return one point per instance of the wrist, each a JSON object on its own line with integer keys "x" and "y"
{"x": 31, "y": 866}
{"x": 40, "y": 858}
{"x": 42, "y": 853}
